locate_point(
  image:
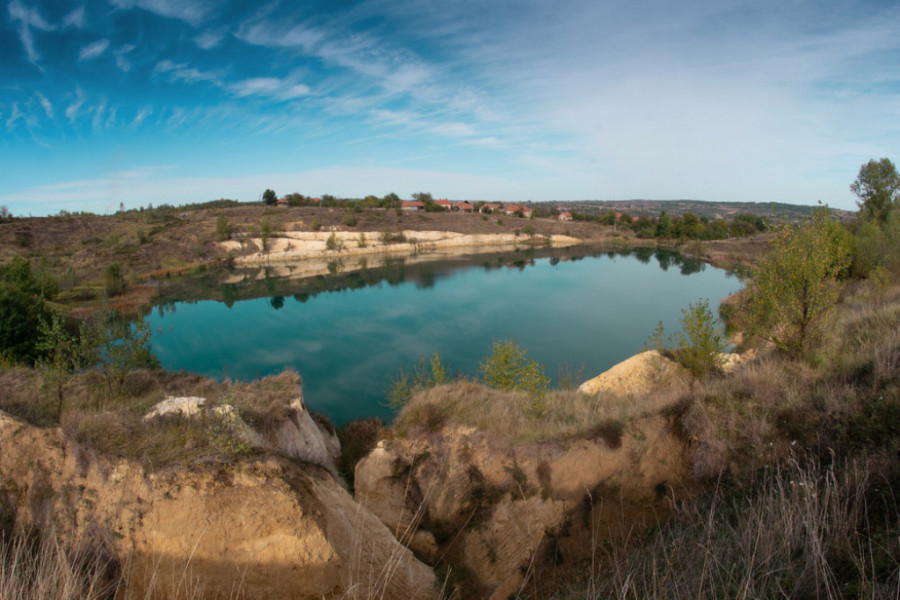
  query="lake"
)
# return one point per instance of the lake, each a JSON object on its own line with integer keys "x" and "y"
{"x": 348, "y": 333}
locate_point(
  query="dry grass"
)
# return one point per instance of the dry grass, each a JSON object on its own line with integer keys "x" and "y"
{"x": 803, "y": 531}
{"x": 517, "y": 417}
{"x": 47, "y": 570}
{"x": 114, "y": 425}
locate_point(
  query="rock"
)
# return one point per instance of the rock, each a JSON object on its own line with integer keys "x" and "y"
{"x": 266, "y": 528}
{"x": 639, "y": 375}
{"x": 495, "y": 507}
{"x": 298, "y": 436}
{"x": 187, "y": 406}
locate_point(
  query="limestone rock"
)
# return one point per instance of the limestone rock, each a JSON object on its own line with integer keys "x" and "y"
{"x": 266, "y": 528}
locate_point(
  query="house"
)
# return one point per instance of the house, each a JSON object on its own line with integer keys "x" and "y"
{"x": 491, "y": 207}
{"x": 512, "y": 209}
{"x": 444, "y": 204}
{"x": 283, "y": 201}
{"x": 465, "y": 207}
{"x": 411, "y": 205}
{"x": 564, "y": 216}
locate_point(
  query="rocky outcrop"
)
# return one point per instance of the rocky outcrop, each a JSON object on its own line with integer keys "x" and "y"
{"x": 296, "y": 435}
{"x": 261, "y": 528}
{"x": 507, "y": 512}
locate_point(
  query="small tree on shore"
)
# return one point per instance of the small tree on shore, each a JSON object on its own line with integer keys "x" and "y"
{"x": 794, "y": 291}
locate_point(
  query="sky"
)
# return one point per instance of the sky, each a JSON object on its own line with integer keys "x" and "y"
{"x": 144, "y": 102}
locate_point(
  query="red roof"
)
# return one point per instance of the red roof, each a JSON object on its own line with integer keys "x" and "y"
{"x": 411, "y": 204}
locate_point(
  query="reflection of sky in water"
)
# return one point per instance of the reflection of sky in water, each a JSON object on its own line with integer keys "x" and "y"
{"x": 347, "y": 345}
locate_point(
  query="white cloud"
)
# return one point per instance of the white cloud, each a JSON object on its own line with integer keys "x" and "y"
{"x": 193, "y": 12}
{"x": 76, "y": 18}
{"x": 93, "y": 50}
{"x": 28, "y": 18}
{"x": 208, "y": 40}
{"x": 14, "y": 116}
{"x": 122, "y": 57}
{"x": 182, "y": 72}
{"x": 45, "y": 104}
{"x": 142, "y": 114}
{"x": 270, "y": 87}
{"x": 73, "y": 109}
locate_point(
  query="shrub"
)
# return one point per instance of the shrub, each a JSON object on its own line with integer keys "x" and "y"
{"x": 349, "y": 218}
{"x": 315, "y": 225}
{"x": 700, "y": 346}
{"x": 113, "y": 280}
{"x": 333, "y": 243}
{"x": 223, "y": 228}
{"x": 508, "y": 368}
{"x": 264, "y": 234}
{"x": 794, "y": 291}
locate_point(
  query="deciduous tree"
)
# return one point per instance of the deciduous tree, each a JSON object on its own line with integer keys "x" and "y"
{"x": 878, "y": 189}
{"x": 794, "y": 291}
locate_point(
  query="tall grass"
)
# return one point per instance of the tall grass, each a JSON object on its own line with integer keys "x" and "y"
{"x": 517, "y": 417}
{"x": 45, "y": 569}
{"x": 804, "y": 531}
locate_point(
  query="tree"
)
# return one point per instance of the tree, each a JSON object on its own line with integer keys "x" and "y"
{"x": 794, "y": 290}
{"x": 664, "y": 228}
{"x": 878, "y": 189}
{"x": 113, "y": 280}
{"x": 699, "y": 346}
{"x": 508, "y": 368}
{"x": 270, "y": 197}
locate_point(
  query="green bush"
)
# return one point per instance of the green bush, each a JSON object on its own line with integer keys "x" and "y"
{"x": 508, "y": 368}
{"x": 794, "y": 291}
{"x": 223, "y": 228}
{"x": 700, "y": 346}
{"x": 113, "y": 280}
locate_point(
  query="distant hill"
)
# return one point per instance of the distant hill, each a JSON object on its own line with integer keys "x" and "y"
{"x": 712, "y": 210}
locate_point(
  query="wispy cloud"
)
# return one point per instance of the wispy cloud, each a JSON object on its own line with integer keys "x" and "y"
{"x": 73, "y": 110}
{"x": 93, "y": 50}
{"x": 122, "y": 57}
{"x": 208, "y": 39}
{"x": 193, "y": 12}
{"x": 142, "y": 114}
{"x": 14, "y": 116}
{"x": 270, "y": 87}
{"x": 45, "y": 104}
{"x": 182, "y": 72}
{"x": 76, "y": 18}
{"x": 28, "y": 18}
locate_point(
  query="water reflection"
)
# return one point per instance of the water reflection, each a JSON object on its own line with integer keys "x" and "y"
{"x": 352, "y": 325}
{"x": 237, "y": 285}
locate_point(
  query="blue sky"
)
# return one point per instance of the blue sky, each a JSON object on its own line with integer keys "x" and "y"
{"x": 152, "y": 101}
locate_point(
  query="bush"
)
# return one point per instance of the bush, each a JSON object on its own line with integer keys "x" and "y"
{"x": 315, "y": 225}
{"x": 793, "y": 293}
{"x": 700, "y": 346}
{"x": 223, "y": 228}
{"x": 349, "y": 218}
{"x": 113, "y": 280}
{"x": 332, "y": 243}
{"x": 508, "y": 368}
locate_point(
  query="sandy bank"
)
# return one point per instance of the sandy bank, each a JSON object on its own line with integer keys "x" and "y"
{"x": 294, "y": 246}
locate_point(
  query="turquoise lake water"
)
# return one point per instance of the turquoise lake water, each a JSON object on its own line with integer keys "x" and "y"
{"x": 348, "y": 344}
